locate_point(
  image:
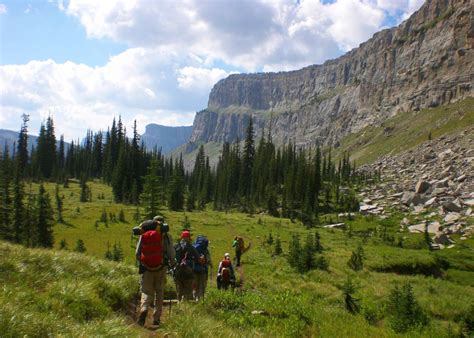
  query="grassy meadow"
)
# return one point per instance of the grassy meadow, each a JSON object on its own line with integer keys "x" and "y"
{"x": 66, "y": 293}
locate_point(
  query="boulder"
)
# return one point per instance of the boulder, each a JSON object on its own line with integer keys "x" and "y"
{"x": 443, "y": 239}
{"x": 422, "y": 186}
{"x": 418, "y": 228}
{"x": 431, "y": 202}
{"x": 410, "y": 197}
{"x": 451, "y": 217}
{"x": 451, "y": 206}
{"x": 336, "y": 226}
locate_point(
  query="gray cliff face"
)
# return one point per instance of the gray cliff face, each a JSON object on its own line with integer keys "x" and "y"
{"x": 426, "y": 61}
{"x": 164, "y": 137}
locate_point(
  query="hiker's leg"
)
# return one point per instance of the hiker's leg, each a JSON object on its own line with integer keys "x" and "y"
{"x": 237, "y": 257}
{"x": 160, "y": 282}
{"x": 188, "y": 289}
{"x": 148, "y": 292}
{"x": 179, "y": 290}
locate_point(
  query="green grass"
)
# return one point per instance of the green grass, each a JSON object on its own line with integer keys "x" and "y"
{"x": 64, "y": 293}
{"x": 406, "y": 130}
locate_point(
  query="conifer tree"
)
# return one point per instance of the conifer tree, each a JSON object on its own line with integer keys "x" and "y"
{"x": 45, "y": 219}
{"x": 18, "y": 220}
{"x": 80, "y": 246}
{"x": 108, "y": 254}
{"x": 5, "y": 195}
{"x": 356, "y": 262}
{"x": 317, "y": 243}
{"x": 22, "y": 150}
{"x": 278, "y": 249}
{"x": 176, "y": 200}
{"x": 59, "y": 206}
{"x": 151, "y": 194}
{"x": 247, "y": 164}
{"x": 122, "y": 216}
{"x": 63, "y": 244}
{"x": 351, "y": 303}
{"x": 307, "y": 257}
{"x": 406, "y": 312}
{"x": 117, "y": 252}
{"x": 294, "y": 252}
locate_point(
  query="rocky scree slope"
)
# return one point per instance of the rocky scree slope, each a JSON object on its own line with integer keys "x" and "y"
{"x": 426, "y": 61}
{"x": 433, "y": 183}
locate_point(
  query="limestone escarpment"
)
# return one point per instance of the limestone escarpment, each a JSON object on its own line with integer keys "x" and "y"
{"x": 426, "y": 61}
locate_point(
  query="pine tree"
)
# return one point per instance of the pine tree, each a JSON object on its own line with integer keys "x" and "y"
{"x": 351, "y": 303}
{"x": 294, "y": 251}
{"x": 5, "y": 195}
{"x": 270, "y": 239}
{"x": 22, "y": 150}
{"x": 278, "y": 249}
{"x": 247, "y": 164}
{"x": 307, "y": 257}
{"x": 151, "y": 194}
{"x": 356, "y": 262}
{"x": 122, "y": 216}
{"x": 80, "y": 246}
{"x": 176, "y": 200}
{"x": 45, "y": 219}
{"x": 85, "y": 191}
{"x": 406, "y": 312}
{"x": 428, "y": 240}
{"x": 59, "y": 206}
{"x": 317, "y": 243}
{"x": 108, "y": 254}
{"x": 136, "y": 216}
{"x": 18, "y": 220}
{"x": 63, "y": 244}
{"x": 117, "y": 252}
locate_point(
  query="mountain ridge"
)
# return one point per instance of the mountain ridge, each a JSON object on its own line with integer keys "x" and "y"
{"x": 424, "y": 62}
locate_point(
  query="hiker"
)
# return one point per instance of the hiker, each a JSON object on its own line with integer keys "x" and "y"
{"x": 186, "y": 258}
{"x": 225, "y": 273}
{"x": 154, "y": 252}
{"x": 201, "y": 268}
{"x": 238, "y": 244}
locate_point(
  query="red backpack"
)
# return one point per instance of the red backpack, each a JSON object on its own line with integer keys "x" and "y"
{"x": 225, "y": 270}
{"x": 152, "y": 249}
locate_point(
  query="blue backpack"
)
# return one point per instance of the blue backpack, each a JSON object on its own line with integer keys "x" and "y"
{"x": 200, "y": 244}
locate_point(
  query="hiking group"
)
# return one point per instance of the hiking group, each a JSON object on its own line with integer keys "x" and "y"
{"x": 188, "y": 262}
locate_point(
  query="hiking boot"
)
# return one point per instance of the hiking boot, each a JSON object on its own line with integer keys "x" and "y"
{"x": 142, "y": 318}
{"x": 156, "y": 322}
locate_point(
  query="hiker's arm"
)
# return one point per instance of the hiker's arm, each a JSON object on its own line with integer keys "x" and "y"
{"x": 219, "y": 269}
{"x": 138, "y": 251}
{"x": 170, "y": 252}
{"x": 208, "y": 259}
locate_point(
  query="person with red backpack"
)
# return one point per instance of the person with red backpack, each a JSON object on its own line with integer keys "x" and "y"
{"x": 225, "y": 273}
{"x": 201, "y": 268}
{"x": 186, "y": 258}
{"x": 154, "y": 252}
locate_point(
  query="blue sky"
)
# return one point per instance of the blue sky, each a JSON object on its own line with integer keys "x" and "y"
{"x": 84, "y": 61}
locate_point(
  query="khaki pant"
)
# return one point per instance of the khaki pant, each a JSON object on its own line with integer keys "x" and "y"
{"x": 152, "y": 286}
{"x": 184, "y": 289}
{"x": 200, "y": 281}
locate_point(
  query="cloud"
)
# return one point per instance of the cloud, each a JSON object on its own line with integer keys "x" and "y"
{"x": 138, "y": 82}
{"x": 248, "y": 34}
{"x": 177, "y": 51}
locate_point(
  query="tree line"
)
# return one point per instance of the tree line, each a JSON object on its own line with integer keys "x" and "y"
{"x": 285, "y": 182}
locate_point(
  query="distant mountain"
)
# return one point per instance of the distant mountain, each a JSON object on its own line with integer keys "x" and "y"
{"x": 10, "y": 137}
{"x": 165, "y": 137}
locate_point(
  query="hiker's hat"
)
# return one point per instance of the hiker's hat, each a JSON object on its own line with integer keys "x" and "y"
{"x": 159, "y": 218}
{"x": 227, "y": 255}
{"x": 185, "y": 234}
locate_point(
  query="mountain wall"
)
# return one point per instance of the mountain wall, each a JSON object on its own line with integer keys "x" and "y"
{"x": 428, "y": 60}
{"x": 164, "y": 137}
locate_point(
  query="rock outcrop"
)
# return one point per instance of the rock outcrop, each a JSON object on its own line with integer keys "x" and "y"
{"x": 426, "y": 61}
